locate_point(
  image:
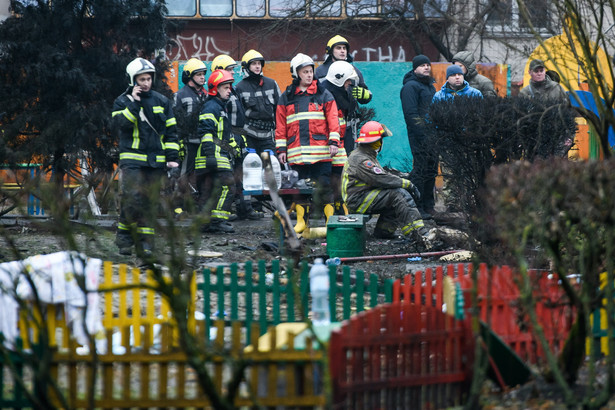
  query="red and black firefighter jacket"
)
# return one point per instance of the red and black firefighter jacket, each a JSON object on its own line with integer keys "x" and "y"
{"x": 306, "y": 124}
{"x": 147, "y": 130}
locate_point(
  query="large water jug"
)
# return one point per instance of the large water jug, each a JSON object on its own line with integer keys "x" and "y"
{"x": 252, "y": 171}
{"x": 277, "y": 170}
{"x": 319, "y": 289}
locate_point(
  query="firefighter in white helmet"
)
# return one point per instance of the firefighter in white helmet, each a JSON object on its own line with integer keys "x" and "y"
{"x": 368, "y": 189}
{"x": 148, "y": 145}
{"x": 339, "y": 81}
{"x": 307, "y": 130}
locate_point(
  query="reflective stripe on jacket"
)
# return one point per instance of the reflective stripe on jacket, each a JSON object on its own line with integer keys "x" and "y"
{"x": 146, "y": 130}
{"x": 363, "y": 178}
{"x": 215, "y": 131}
{"x": 306, "y": 124}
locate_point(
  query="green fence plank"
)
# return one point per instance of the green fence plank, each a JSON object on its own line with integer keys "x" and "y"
{"x": 235, "y": 289}
{"x": 207, "y": 300}
{"x": 220, "y": 291}
{"x": 346, "y": 293}
{"x": 290, "y": 291}
{"x": 249, "y": 312}
{"x": 275, "y": 271}
{"x": 360, "y": 286}
{"x": 262, "y": 296}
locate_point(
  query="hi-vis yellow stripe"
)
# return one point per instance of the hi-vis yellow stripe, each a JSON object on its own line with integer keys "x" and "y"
{"x": 312, "y": 115}
{"x": 368, "y": 201}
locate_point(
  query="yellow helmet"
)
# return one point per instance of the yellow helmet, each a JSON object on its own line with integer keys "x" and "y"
{"x": 250, "y": 56}
{"x": 223, "y": 62}
{"x": 193, "y": 66}
{"x": 335, "y": 40}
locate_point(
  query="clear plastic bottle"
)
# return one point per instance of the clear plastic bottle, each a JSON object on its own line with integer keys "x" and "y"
{"x": 319, "y": 289}
{"x": 277, "y": 170}
{"x": 252, "y": 171}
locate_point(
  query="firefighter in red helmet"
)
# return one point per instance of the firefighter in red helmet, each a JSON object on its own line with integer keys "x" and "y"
{"x": 217, "y": 151}
{"x": 368, "y": 189}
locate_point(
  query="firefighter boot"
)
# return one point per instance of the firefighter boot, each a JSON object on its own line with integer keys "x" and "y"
{"x": 303, "y": 214}
{"x": 328, "y": 211}
{"x": 341, "y": 208}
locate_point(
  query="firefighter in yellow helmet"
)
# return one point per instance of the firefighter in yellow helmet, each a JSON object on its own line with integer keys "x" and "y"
{"x": 338, "y": 49}
{"x": 368, "y": 189}
{"x": 187, "y": 104}
{"x": 259, "y": 96}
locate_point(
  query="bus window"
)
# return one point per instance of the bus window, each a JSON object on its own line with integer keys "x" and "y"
{"x": 181, "y": 7}
{"x": 285, "y": 8}
{"x": 251, "y": 8}
{"x": 361, "y": 7}
{"x": 325, "y": 8}
{"x": 216, "y": 8}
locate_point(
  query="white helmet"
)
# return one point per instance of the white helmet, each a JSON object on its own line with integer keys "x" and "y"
{"x": 298, "y": 62}
{"x": 340, "y": 71}
{"x": 139, "y": 66}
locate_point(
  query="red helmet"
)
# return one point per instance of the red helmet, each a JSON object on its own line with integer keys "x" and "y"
{"x": 372, "y": 131}
{"x": 217, "y": 78}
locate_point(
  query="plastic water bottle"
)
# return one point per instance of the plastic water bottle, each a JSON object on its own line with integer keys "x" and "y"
{"x": 277, "y": 170}
{"x": 334, "y": 261}
{"x": 252, "y": 171}
{"x": 319, "y": 288}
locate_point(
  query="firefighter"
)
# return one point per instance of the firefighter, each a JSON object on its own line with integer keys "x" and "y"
{"x": 188, "y": 102}
{"x": 259, "y": 96}
{"x": 214, "y": 171}
{"x": 237, "y": 117}
{"x": 307, "y": 130}
{"x": 148, "y": 145}
{"x": 339, "y": 81}
{"x": 338, "y": 49}
{"x": 368, "y": 189}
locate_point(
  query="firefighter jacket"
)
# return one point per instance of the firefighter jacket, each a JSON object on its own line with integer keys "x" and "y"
{"x": 147, "y": 130}
{"x": 236, "y": 112}
{"x": 217, "y": 145}
{"x": 448, "y": 93}
{"x": 347, "y": 108}
{"x": 363, "y": 179}
{"x": 306, "y": 124}
{"x": 259, "y": 96}
{"x": 188, "y": 103}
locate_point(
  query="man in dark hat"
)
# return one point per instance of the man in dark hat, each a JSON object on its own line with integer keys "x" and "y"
{"x": 540, "y": 85}
{"x": 416, "y": 95}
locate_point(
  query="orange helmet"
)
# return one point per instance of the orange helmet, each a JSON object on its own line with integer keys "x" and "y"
{"x": 372, "y": 131}
{"x": 218, "y": 77}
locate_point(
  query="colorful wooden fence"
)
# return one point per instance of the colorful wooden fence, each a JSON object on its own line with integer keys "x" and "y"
{"x": 498, "y": 303}
{"x": 402, "y": 356}
{"x": 269, "y": 297}
{"x": 145, "y": 377}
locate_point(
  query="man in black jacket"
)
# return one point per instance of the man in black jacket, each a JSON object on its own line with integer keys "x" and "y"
{"x": 416, "y": 95}
{"x": 146, "y": 127}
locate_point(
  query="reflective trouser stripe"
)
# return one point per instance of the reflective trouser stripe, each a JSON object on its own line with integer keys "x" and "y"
{"x": 412, "y": 226}
{"x": 367, "y": 201}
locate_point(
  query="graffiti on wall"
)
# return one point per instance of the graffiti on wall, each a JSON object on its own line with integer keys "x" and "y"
{"x": 202, "y": 47}
{"x": 205, "y": 47}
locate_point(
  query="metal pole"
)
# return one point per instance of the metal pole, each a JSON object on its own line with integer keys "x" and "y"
{"x": 397, "y": 256}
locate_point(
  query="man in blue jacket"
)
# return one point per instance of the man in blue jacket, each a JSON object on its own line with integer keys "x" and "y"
{"x": 416, "y": 95}
{"x": 455, "y": 85}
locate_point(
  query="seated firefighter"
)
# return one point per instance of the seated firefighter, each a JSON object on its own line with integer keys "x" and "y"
{"x": 368, "y": 189}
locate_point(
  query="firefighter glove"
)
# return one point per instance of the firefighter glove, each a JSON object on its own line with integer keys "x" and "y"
{"x": 360, "y": 93}
{"x": 414, "y": 191}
